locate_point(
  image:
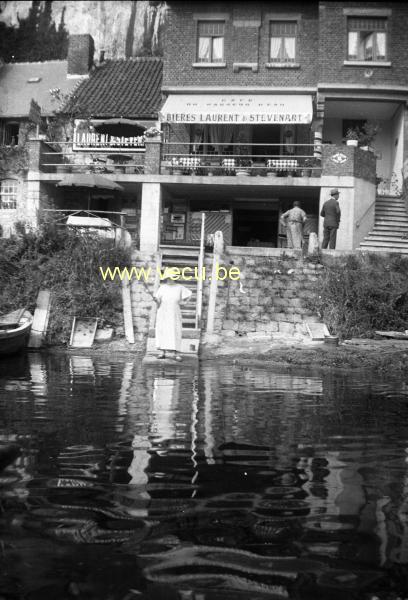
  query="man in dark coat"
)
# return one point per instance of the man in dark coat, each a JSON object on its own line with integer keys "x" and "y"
{"x": 331, "y": 213}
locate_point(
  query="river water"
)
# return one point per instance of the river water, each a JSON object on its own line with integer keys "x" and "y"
{"x": 211, "y": 483}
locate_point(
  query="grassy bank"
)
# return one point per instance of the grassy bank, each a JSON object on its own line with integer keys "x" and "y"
{"x": 363, "y": 293}
{"x": 67, "y": 264}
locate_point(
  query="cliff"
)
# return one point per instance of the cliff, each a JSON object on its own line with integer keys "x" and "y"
{"x": 122, "y": 28}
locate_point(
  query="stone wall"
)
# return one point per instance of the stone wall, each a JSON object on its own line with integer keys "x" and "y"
{"x": 272, "y": 297}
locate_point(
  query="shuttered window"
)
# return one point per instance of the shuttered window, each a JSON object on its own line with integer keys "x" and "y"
{"x": 367, "y": 38}
{"x": 210, "y": 48}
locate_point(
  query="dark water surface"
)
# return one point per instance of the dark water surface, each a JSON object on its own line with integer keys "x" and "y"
{"x": 213, "y": 483}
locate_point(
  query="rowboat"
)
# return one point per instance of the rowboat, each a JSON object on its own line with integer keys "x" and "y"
{"x": 14, "y": 331}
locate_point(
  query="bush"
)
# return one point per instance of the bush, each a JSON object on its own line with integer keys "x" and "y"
{"x": 67, "y": 263}
{"x": 363, "y": 294}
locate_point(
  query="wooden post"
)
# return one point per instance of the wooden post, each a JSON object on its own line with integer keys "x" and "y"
{"x": 127, "y": 312}
{"x": 218, "y": 251}
{"x": 40, "y": 320}
{"x": 199, "y": 300}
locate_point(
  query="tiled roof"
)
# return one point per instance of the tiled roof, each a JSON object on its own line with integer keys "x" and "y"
{"x": 127, "y": 88}
{"x": 16, "y": 91}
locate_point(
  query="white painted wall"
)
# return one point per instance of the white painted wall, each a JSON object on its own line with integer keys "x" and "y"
{"x": 397, "y": 144}
{"x": 357, "y": 205}
{"x": 150, "y": 217}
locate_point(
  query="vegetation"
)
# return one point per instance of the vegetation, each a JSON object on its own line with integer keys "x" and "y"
{"x": 36, "y": 38}
{"x": 67, "y": 263}
{"x": 13, "y": 159}
{"x": 363, "y": 294}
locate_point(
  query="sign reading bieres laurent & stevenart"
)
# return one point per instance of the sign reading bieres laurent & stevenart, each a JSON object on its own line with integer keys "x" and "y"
{"x": 230, "y": 108}
{"x": 86, "y": 138}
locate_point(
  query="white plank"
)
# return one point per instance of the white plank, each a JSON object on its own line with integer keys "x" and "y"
{"x": 40, "y": 320}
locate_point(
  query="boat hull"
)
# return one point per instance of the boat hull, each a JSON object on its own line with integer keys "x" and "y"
{"x": 14, "y": 340}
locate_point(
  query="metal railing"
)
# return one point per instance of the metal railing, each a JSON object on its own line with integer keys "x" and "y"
{"x": 63, "y": 159}
{"x": 183, "y": 158}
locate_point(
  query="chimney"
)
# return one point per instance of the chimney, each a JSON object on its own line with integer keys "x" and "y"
{"x": 80, "y": 54}
{"x": 101, "y": 56}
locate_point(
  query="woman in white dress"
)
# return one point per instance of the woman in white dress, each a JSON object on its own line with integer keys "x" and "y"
{"x": 169, "y": 296}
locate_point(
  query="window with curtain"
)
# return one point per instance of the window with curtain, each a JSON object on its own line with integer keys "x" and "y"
{"x": 283, "y": 36}
{"x": 210, "y": 41}
{"x": 8, "y": 194}
{"x": 367, "y": 38}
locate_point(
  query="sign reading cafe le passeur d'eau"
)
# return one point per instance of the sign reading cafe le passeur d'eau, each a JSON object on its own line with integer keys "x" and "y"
{"x": 85, "y": 138}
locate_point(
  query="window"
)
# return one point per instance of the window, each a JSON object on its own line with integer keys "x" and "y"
{"x": 10, "y": 134}
{"x": 8, "y": 194}
{"x": 283, "y": 41}
{"x": 210, "y": 41}
{"x": 367, "y": 38}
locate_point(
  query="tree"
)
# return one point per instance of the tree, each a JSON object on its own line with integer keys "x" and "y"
{"x": 36, "y": 38}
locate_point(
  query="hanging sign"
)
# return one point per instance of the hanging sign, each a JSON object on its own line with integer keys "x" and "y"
{"x": 85, "y": 138}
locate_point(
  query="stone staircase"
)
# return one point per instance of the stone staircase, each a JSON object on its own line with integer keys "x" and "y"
{"x": 390, "y": 233}
{"x": 180, "y": 257}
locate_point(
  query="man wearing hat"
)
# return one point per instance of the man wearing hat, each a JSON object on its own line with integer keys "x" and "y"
{"x": 331, "y": 213}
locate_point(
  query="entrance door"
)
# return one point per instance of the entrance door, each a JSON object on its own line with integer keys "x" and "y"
{"x": 255, "y": 228}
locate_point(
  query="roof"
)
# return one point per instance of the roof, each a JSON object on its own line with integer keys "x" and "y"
{"x": 123, "y": 88}
{"x": 16, "y": 91}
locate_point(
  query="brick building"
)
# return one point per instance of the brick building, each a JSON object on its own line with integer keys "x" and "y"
{"x": 276, "y": 89}
{"x": 255, "y": 102}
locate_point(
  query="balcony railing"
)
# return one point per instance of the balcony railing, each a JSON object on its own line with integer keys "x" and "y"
{"x": 61, "y": 158}
{"x": 248, "y": 159}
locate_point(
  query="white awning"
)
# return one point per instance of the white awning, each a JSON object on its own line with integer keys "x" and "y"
{"x": 255, "y": 109}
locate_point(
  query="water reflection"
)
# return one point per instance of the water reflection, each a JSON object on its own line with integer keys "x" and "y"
{"x": 236, "y": 465}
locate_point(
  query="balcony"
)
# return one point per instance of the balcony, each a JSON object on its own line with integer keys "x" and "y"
{"x": 61, "y": 158}
{"x": 249, "y": 160}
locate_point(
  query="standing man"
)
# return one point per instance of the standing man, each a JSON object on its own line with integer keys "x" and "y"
{"x": 293, "y": 220}
{"x": 331, "y": 213}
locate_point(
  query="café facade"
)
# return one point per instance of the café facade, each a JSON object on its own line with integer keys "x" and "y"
{"x": 249, "y": 109}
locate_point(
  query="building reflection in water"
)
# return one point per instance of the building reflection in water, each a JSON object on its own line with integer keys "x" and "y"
{"x": 168, "y": 434}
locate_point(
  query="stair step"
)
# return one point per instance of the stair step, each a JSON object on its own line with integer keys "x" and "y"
{"x": 390, "y": 221}
{"x": 385, "y": 249}
{"x": 385, "y": 242}
{"x": 388, "y": 233}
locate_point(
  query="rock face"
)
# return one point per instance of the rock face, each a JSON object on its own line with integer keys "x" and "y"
{"x": 121, "y": 28}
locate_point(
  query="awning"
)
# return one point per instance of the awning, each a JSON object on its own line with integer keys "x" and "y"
{"x": 231, "y": 108}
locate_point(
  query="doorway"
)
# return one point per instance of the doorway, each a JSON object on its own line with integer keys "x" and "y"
{"x": 255, "y": 228}
{"x": 266, "y": 134}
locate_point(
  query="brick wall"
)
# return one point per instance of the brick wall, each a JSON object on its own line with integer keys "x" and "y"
{"x": 357, "y": 163}
{"x": 80, "y": 54}
{"x": 333, "y": 45}
{"x": 242, "y": 44}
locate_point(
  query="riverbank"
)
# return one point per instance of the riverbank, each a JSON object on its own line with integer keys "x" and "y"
{"x": 383, "y": 356}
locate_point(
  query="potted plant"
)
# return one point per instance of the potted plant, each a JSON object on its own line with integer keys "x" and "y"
{"x": 352, "y": 136}
{"x": 308, "y": 164}
{"x": 244, "y": 163}
{"x": 367, "y": 134}
{"x": 175, "y": 165}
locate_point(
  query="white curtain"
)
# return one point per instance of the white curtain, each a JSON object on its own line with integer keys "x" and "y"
{"x": 275, "y": 47}
{"x": 381, "y": 44}
{"x": 204, "y": 49}
{"x": 368, "y": 47}
{"x": 352, "y": 44}
{"x": 218, "y": 49}
{"x": 290, "y": 48}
